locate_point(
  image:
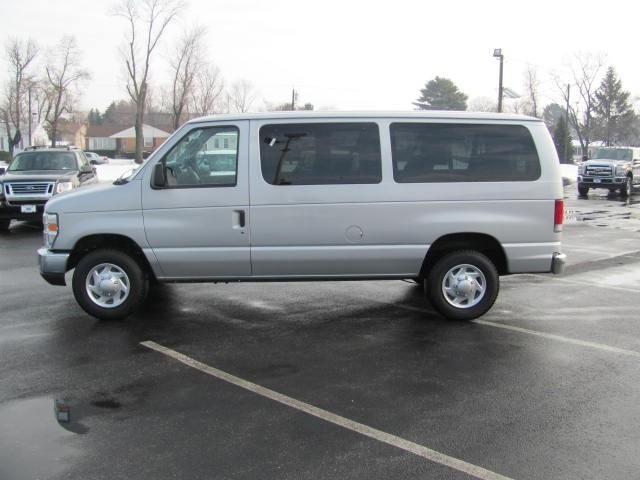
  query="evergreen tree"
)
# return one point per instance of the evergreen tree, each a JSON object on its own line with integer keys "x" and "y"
{"x": 109, "y": 115}
{"x": 614, "y": 113}
{"x": 562, "y": 137}
{"x": 441, "y": 94}
{"x": 94, "y": 117}
{"x": 551, "y": 114}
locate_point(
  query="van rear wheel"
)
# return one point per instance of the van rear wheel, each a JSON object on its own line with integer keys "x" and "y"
{"x": 463, "y": 285}
{"x": 109, "y": 284}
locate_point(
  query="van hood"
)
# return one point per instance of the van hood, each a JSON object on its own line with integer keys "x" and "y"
{"x": 101, "y": 197}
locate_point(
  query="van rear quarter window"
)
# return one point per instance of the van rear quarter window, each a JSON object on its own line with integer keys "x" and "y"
{"x": 446, "y": 152}
{"x": 320, "y": 153}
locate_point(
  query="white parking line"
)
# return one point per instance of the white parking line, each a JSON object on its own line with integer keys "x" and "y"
{"x": 327, "y": 416}
{"x": 582, "y": 283}
{"x": 537, "y": 333}
{"x": 560, "y": 338}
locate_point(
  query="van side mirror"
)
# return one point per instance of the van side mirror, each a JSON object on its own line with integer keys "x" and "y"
{"x": 159, "y": 175}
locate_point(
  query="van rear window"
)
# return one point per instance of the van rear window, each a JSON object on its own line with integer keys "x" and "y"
{"x": 320, "y": 153}
{"x": 447, "y": 152}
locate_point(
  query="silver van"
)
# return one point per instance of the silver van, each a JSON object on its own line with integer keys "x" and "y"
{"x": 450, "y": 199}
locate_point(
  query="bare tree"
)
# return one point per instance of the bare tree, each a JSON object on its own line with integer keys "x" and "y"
{"x": 482, "y": 104}
{"x": 241, "y": 96}
{"x": 207, "y": 91}
{"x": 20, "y": 56}
{"x": 585, "y": 72}
{"x": 147, "y": 20}
{"x": 532, "y": 89}
{"x": 185, "y": 65}
{"x": 63, "y": 73}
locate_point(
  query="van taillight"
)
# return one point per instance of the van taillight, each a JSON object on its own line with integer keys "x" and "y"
{"x": 558, "y": 216}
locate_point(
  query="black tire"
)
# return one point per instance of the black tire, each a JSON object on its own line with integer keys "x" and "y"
{"x": 4, "y": 225}
{"x": 627, "y": 189}
{"x": 138, "y": 284}
{"x": 433, "y": 287}
{"x": 583, "y": 191}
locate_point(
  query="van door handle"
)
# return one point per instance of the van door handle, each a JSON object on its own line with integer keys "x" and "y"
{"x": 238, "y": 219}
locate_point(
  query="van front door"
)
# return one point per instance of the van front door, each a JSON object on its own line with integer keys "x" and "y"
{"x": 197, "y": 223}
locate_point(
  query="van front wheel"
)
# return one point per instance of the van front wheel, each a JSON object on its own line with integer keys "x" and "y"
{"x": 463, "y": 285}
{"x": 109, "y": 284}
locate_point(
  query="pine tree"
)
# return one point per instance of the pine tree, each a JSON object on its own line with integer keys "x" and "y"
{"x": 441, "y": 94}
{"x": 614, "y": 112}
{"x": 562, "y": 137}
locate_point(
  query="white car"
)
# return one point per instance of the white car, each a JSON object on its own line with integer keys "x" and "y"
{"x": 95, "y": 159}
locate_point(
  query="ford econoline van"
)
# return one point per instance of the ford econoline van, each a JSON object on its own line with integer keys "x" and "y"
{"x": 452, "y": 200}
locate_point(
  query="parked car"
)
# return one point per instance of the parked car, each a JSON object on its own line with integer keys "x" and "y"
{"x": 451, "y": 199}
{"x": 95, "y": 159}
{"x": 613, "y": 168}
{"x": 3, "y": 167}
{"x": 37, "y": 174}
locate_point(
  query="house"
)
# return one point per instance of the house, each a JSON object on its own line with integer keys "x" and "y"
{"x": 71, "y": 133}
{"x": 39, "y": 136}
{"x": 120, "y": 141}
{"x": 98, "y": 139}
{"x": 153, "y": 138}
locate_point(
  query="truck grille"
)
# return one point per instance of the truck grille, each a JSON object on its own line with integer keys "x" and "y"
{"x": 598, "y": 171}
{"x": 28, "y": 188}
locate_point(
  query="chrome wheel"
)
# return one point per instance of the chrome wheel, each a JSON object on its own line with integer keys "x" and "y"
{"x": 464, "y": 286}
{"x": 107, "y": 285}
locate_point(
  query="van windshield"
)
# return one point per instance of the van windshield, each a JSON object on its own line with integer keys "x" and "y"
{"x": 613, "y": 154}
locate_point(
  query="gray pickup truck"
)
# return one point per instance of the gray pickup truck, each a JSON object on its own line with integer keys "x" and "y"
{"x": 613, "y": 168}
{"x": 35, "y": 176}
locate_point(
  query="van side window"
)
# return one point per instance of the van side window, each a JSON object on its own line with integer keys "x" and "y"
{"x": 204, "y": 157}
{"x": 447, "y": 152}
{"x": 320, "y": 153}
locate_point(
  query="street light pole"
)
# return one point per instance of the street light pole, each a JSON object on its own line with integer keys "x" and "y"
{"x": 498, "y": 54}
{"x": 566, "y": 126}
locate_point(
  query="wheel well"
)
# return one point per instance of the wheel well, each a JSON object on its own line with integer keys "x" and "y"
{"x": 480, "y": 242}
{"x": 116, "y": 242}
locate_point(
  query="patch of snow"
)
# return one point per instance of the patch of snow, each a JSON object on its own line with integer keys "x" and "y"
{"x": 113, "y": 169}
{"x": 569, "y": 173}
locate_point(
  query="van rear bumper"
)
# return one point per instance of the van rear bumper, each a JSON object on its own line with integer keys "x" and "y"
{"x": 558, "y": 262}
{"x": 532, "y": 257}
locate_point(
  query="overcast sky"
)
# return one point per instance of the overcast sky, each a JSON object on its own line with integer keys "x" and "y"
{"x": 351, "y": 54}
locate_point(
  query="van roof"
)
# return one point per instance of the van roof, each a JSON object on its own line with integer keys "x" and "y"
{"x": 426, "y": 114}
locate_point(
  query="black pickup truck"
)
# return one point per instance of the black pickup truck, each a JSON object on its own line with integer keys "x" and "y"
{"x": 37, "y": 174}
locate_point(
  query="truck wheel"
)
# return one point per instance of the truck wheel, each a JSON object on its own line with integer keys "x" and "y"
{"x": 627, "y": 189}
{"x": 109, "y": 284}
{"x": 4, "y": 225}
{"x": 583, "y": 191}
{"x": 463, "y": 285}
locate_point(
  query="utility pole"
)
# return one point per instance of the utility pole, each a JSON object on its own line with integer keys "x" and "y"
{"x": 566, "y": 120}
{"x": 29, "y": 101}
{"x": 497, "y": 53}
{"x": 293, "y": 99}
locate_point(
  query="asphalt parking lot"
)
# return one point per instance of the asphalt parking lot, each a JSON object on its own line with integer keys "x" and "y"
{"x": 331, "y": 379}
